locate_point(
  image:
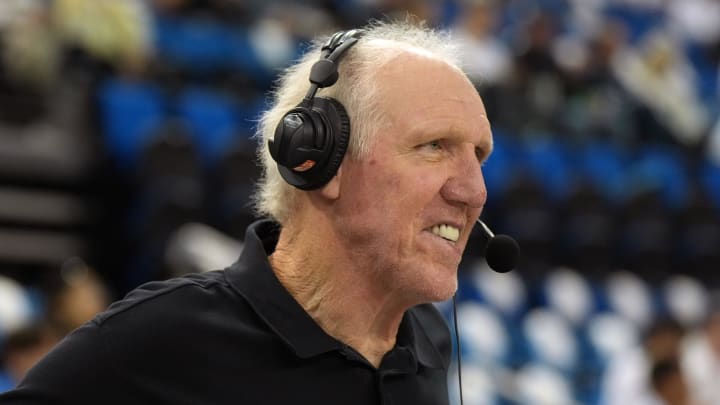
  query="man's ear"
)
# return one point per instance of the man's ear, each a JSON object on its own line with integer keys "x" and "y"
{"x": 331, "y": 190}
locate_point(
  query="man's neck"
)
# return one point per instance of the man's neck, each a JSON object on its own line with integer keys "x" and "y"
{"x": 339, "y": 293}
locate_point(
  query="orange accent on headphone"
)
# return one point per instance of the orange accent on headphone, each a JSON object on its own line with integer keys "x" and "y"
{"x": 304, "y": 166}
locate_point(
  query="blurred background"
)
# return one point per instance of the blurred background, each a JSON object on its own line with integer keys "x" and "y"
{"x": 125, "y": 157}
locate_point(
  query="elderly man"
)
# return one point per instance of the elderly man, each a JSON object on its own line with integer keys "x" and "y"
{"x": 329, "y": 301}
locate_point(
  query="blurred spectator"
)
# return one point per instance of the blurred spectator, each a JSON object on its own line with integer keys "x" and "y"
{"x": 28, "y": 62}
{"x": 117, "y": 32}
{"x": 596, "y": 106}
{"x": 628, "y": 379}
{"x": 486, "y": 59}
{"x": 536, "y": 88}
{"x": 669, "y": 384}
{"x": 76, "y": 295}
{"x": 25, "y": 347}
{"x": 701, "y": 358}
{"x": 663, "y": 84}
{"x": 273, "y": 36}
{"x": 280, "y": 27}
{"x": 30, "y": 55}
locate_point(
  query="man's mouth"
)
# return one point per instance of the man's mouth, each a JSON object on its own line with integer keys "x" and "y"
{"x": 447, "y": 232}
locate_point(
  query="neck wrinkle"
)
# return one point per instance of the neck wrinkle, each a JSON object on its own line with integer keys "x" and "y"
{"x": 338, "y": 293}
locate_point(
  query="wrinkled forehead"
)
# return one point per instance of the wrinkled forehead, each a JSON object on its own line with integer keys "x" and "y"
{"x": 414, "y": 84}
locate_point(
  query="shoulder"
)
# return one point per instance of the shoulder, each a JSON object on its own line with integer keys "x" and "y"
{"x": 170, "y": 331}
{"x": 161, "y": 315}
{"x": 161, "y": 321}
{"x": 156, "y": 295}
{"x": 159, "y": 341}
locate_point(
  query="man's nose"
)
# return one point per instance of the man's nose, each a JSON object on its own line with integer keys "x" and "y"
{"x": 466, "y": 184}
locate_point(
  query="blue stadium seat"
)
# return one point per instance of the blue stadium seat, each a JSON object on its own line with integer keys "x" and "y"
{"x": 568, "y": 293}
{"x": 547, "y": 161}
{"x": 604, "y": 166}
{"x": 551, "y": 340}
{"x": 505, "y": 293}
{"x": 660, "y": 167}
{"x": 203, "y": 47}
{"x": 212, "y": 117}
{"x": 200, "y": 46}
{"x": 538, "y": 384}
{"x": 685, "y": 300}
{"x": 610, "y": 334}
{"x": 484, "y": 338}
{"x": 501, "y": 166}
{"x": 479, "y": 386}
{"x": 710, "y": 179}
{"x": 630, "y": 297}
{"x": 129, "y": 112}
{"x": 707, "y": 72}
{"x": 605, "y": 338}
{"x": 249, "y": 114}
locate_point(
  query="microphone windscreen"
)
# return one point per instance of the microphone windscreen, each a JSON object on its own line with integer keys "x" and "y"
{"x": 502, "y": 253}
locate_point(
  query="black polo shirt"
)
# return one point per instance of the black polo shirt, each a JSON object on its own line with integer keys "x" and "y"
{"x": 233, "y": 337}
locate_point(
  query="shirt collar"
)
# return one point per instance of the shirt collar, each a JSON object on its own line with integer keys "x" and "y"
{"x": 255, "y": 280}
{"x": 414, "y": 334}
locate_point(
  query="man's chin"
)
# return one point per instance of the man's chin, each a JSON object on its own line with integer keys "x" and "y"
{"x": 441, "y": 291}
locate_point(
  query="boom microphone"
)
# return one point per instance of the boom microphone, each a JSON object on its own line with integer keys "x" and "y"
{"x": 502, "y": 251}
{"x": 501, "y": 254}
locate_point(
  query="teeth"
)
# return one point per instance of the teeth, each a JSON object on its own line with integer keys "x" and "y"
{"x": 447, "y": 232}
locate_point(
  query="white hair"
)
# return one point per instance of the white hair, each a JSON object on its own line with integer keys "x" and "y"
{"x": 356, "y": 89}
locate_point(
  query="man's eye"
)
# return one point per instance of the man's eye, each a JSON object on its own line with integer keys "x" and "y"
{"x": 481, "y": 155}
{"x": 434, "y": 145}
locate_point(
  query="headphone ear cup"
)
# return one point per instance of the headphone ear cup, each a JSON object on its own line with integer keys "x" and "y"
{"x": 310, "y": 144}
{"x": 341, "y": 134}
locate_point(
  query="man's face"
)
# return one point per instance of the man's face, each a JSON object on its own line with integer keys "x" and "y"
{"x": 407, "y": 208}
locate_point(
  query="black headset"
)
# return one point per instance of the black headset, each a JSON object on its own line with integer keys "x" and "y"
{"x": 311, "y": 139}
